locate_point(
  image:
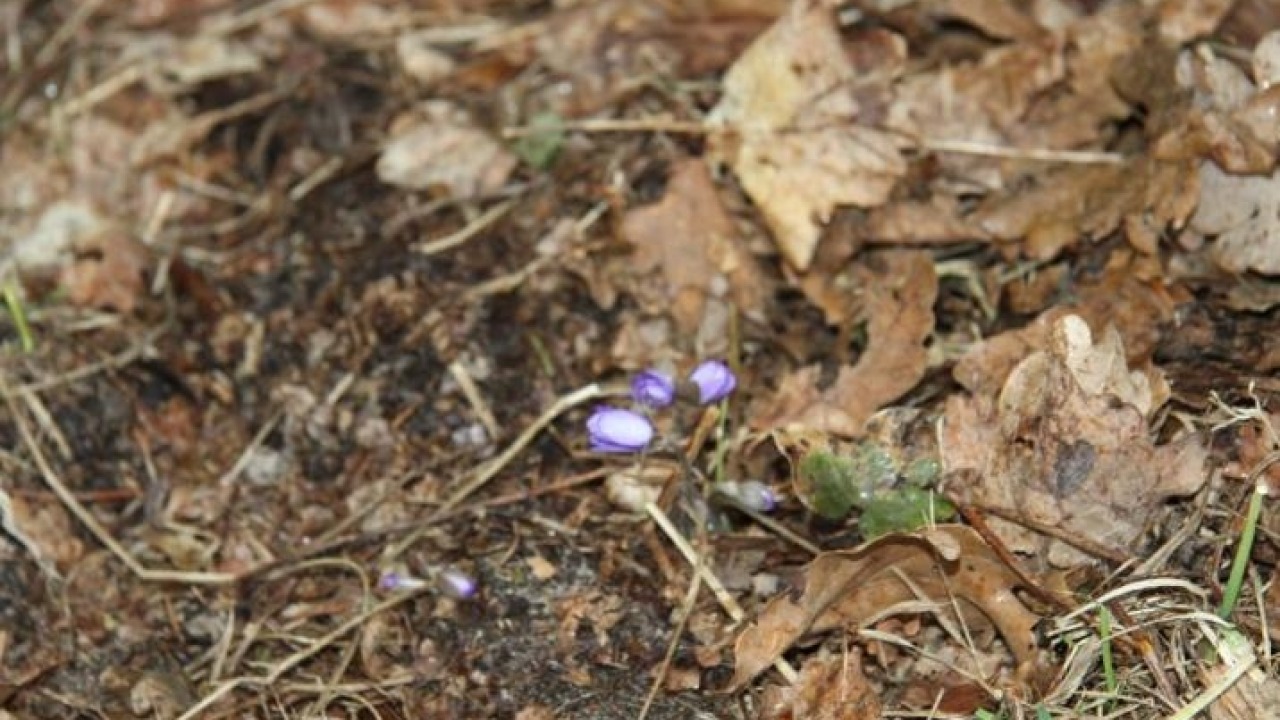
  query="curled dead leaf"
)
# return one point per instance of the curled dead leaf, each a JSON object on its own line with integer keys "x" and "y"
{"x": 900, "y": 287}
{"x": 949, "y": 566}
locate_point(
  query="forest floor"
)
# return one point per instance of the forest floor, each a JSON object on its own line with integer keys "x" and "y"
{"x": 307, "y": 304}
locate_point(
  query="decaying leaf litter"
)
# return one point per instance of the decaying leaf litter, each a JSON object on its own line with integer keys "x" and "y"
{"x": 308, "y": 302}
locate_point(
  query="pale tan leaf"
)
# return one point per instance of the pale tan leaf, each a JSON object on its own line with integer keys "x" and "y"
{"x": 442, "y": 149}
{"x": 796, "y": 144}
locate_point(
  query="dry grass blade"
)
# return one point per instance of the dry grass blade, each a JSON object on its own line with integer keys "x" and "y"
{"x": 87, "y": 519}
{"x": 486, "y": 472}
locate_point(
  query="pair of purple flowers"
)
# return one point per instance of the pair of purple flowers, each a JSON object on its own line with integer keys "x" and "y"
{"x": 616, "y": 430}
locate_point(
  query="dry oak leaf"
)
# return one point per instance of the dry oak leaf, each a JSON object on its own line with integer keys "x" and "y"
{"x": 949, "y": 565}
{"x": 1224, "y": 118}
{"x": 1243, "y": 213}
{"x": 1137, "y": 309}
{"x": 1181, "y": 21}
{"x": 1064, "y": 446}
{"x": 691, "y": 238}
{"x": 795, "y": 142}
{"x": 439, "y": 148}
{"x": 1142, "y": 196}
{"x": 899, "y": 288}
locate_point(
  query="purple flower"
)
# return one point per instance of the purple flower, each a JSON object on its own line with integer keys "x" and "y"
{"x": 751, "y": 494}
{"x": 714, "y": 380}
{"x": 456, "y": 584}
{"x": 613, "y": 430}
{"x": 653, "y": 389}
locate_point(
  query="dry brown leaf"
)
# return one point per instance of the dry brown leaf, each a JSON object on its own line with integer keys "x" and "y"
{"x": 1225, "y": 118}
{"x": 43, "y": 528}
{"x": 599, "y": 53}
{"x": 1248, "y": 695}
{"x": 1050, "y": 91}
{"x": 1142, "y": 196}
{"x": 600, "y": 610}
{"x": 1102, "y": 368}
{"x": 1181, "y": 21}
{"x": 439, "y": 148}
{"x": 1120, "y": 297}
{"x": 177, "y": 65}
{"x": 159, "y": 12}
{"x": 949, "y": 565}
{"x": 899, "y": 289}
{"x": 421, "y": 60}
{"x": 1057, "y": 454}
{"x": 108, "y": 272}
{"x": 797, "y": 147}
{"x": 830, "y": 687}
{"x": 381, "y": 648}
{"x": 936, "y": 220}
{"x": 691, "y": 239}
{"x": 1266, "y": 60}
{"x": 997, "y": 18}
{"x": 93, "y": 260}
{"x": 349, "y": 19}
{"x": 1243, "y": 213}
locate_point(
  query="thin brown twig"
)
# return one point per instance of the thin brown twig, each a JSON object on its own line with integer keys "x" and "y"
{"x": 730, "y": 605}
{"x": 298, "y": 657}
{"x": 686, "y": 609}
{"x": 979, "y": 524}
{"x": 1098, "y": 550}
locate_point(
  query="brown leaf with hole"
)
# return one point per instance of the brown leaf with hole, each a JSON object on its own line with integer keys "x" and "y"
{"x": 108, "y": 272}
{"x": 797, "y": 146}
{"x": 899, "y": 289}
{"x": 949, "y": 566}
{"x": 1066, "y": 445}
{"x": 691, "y": 239}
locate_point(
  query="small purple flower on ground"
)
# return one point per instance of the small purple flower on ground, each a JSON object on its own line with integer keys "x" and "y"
{"x": 653, "y": 389}
{"x": 456, "y": 584}
{"x": 757, "y": 496}
{"x": 714, "y": 380}
{"x": 614, "y": 430}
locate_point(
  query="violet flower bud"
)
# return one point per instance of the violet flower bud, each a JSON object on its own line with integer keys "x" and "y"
{"x": 392, "y": 581}
{"x": 456, "y": 584}
{"x": 750, "y": 494}
{"x": 653, "y": 389}
{"x": 714, "y": 380}
{"x": 614, "y": 430}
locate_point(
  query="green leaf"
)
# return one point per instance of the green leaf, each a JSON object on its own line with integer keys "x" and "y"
{"x": 922, "y": 472}
{"x": 902, "y": 510}
{"x": 832, "y": 485}
{"x": 540, "y": 147}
